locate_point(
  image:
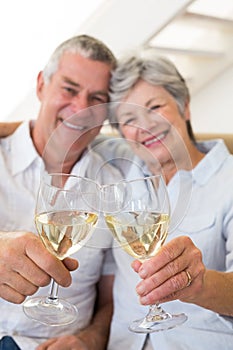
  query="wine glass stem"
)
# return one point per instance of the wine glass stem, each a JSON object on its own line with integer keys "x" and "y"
{"x": 53, "y": 294}
{"x": 156, "y": 313}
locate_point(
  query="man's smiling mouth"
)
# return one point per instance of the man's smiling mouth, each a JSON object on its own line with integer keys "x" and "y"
{"x": 72, "y": 126}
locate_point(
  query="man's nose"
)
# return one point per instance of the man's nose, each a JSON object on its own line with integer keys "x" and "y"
{"x": 80, "y": 102}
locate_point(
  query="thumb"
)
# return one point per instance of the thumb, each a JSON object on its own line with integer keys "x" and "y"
{"x": 136, "y": 264}
{"x": 71, "y": 264}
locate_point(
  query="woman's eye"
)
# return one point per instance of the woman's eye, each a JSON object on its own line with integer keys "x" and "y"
{"x": 129, "y": 121}
{"x": 152, "y": 108}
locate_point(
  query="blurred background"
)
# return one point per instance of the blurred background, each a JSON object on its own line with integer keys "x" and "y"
{"x": 197, "y": 35}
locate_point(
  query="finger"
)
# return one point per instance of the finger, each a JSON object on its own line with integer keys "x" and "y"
{"x": 161, "y": 276}
{"x": 180, "y": 246}
{"x": 136, "y": 264}
{"x": 23, "y": 275}
{"x": 9, "y": 294}
{"x": 46, "y": 344}
{"x": 17, "y": 272}
{"x": 186, "y": 294}
{"x": 14, "y": 259}
{"x": 69, "y": 342}
{"x": 31, "y": 272}
{"x": 177, "y": 287}
{"x": 168, "y": 288}
{"x": 16, "y": 282}
{"x": 173, "y": 268}
{"x": 173, "y": 277}
{"x": 36, "y": 251}
{"x": 71, "y": 264}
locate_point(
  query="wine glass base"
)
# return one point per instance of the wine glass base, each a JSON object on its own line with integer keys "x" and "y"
{"x": 50, "y": 312}
{"x": 144, "y": 326}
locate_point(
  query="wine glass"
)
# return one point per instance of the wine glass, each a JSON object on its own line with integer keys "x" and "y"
{"x": 65, "y": 220}
{"x": 137, "y": 213}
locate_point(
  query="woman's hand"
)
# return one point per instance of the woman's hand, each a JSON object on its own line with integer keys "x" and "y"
{"x": 175, "y": 272}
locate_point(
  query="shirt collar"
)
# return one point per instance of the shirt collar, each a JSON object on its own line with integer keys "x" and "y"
{"x": 21, "y": 148}
{"x": 216, "y": 153}
{"x": 80, "y": 167}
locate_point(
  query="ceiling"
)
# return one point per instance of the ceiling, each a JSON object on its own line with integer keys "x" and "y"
{"x": 196, "y": 35}
{"x": 199, "y": 40}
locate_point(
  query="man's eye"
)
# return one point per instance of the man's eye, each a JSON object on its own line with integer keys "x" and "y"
{"x": 99, "y": 99}
{"x": 71, "y": 91}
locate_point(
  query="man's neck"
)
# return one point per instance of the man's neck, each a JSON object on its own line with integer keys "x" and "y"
{"x": 55, "y": 161}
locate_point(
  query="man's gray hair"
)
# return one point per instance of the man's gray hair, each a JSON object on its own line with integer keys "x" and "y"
{"x": 86, "y": 46}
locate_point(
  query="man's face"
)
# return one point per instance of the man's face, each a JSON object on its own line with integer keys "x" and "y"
{"x": 77, "y": 84}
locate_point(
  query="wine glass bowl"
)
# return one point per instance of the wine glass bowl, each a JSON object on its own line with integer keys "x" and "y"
{"x": 140, "y": 245}
{"x": 65, "y": 219}
{"x": 138, "y": 218}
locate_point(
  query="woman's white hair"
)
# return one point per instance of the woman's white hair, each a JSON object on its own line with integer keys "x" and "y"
{"x": 145, "y": 64}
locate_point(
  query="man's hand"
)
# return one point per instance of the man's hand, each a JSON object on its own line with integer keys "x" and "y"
{"x": 26, "y": 265}
{"x": 68, "y": 342}
{"x": 95, "y": 335}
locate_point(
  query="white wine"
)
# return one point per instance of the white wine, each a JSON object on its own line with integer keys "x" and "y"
{"x": 140, "y": 234}
{"x": 65, "y": 232}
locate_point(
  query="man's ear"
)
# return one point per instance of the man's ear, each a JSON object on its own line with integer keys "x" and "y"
{"x": 40, "y": 85}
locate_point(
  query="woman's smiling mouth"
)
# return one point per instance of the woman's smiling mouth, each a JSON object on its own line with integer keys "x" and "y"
{"x": 155, "y": 139}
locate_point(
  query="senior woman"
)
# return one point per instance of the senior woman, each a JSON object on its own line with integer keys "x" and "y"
{"x": 192, "y": 273}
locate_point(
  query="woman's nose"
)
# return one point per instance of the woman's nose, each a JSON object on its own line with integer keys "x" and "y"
{"x": 147, "y": 121}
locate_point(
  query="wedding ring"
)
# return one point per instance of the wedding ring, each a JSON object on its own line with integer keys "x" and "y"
{"x": 189, "y": 278}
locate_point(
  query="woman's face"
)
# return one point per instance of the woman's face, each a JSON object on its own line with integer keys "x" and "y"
{"x": 149, "y": 118}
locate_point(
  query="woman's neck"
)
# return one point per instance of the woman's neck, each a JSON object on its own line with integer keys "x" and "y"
{"x": 171, "y": 166}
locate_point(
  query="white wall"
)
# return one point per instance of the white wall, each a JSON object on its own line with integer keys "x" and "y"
{"x": 27, "y": 109}
{"x": 212, "y": 107}
{"x": 121, "y": 24}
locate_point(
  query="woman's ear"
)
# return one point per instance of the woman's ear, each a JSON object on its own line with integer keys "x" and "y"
{"x": 40, "y": 85}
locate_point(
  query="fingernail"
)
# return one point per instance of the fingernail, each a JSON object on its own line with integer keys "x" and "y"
{"x": 144, "y": 300}
{"x": 140, "y": 289}
{"x": 142, "y": 273}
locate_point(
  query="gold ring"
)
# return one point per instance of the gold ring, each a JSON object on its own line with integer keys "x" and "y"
{"x": 189, "y": 278}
